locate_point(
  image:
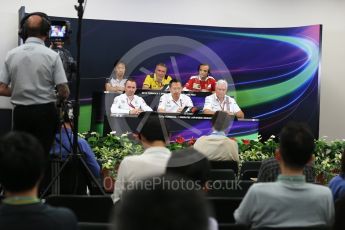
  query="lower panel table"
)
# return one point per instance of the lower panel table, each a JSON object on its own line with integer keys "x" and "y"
{"x": 187, "y": 126}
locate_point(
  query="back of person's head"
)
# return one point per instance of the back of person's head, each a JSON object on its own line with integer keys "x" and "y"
{"x": 36, "y": 24}
{"x": 296, "y": 145}
{"x": 153, "y": 128}
{"x": 162, "y": 203}
{"x": 22, "y": 161}
{"x": 190, "y": 164}
{"x": 220, "y": 121}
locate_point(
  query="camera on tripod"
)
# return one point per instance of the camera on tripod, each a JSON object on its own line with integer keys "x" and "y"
{"x": 59, "y": 31}
{"x": 66, "y": 111}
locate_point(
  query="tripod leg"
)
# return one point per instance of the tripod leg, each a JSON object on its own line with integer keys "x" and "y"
{"x": 55, "y": 177}
{"x": 93, "y": 178}
{"x": 55, "y": 170}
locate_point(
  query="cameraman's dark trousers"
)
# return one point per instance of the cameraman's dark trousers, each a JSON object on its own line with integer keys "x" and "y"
{"x": 40, "y": 120}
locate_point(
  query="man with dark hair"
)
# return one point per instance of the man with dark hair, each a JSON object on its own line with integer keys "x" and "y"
{"x": 217, "y": 146}
{"x": 289, "y": 202}
{"x": 157, "y": 80}
{"x": 152, "y": 162}
{"x": 67, "y": 59}
{"x": 193, "y": 167}
{"x": 33, "y": 70}
{"x": 202, "y": 82}
{"x": 116, "y": 81}
{"x": 22, "y": 164}
{"x": 159, "y": 205}
{"x": 190, "y": 164}
{"x": 74, "y": 178}
{"x": 64, "y": 144}
{"x": 174, "y": 102}
{"x": 128, "y": 103}
{"x": 270, "y": 169}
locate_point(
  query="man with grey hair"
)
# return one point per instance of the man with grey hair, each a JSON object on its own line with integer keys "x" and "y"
{"x": 219, "y": 101}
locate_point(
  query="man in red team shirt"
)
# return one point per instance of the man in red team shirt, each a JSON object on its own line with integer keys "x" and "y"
{"x": 202, "y": 82}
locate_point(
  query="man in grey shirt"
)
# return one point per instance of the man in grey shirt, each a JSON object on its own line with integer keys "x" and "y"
{"x": 29, "y": 75}
{"x": 290, "y": 201}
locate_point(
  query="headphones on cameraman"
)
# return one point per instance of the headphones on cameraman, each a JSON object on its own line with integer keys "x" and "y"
{"x": 45, "y": 25}
{"x": 209, "y": 68}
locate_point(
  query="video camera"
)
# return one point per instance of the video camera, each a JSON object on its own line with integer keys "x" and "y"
{"x": 59, "y": 31}
{"x": 65, "y": 111}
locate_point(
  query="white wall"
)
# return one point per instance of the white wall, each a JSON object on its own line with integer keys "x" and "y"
{"x": 232, "y": 13}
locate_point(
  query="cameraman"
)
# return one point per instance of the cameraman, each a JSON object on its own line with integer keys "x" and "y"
{"x": 33, "y": 70}
{"x": 68, "y": 62}
{"x": 63, "y": 146}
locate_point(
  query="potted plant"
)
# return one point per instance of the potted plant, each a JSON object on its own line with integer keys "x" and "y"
{"x": 110, "y": 151}
{"x": 257, "y": 150}
{"x": 327, "y": 161}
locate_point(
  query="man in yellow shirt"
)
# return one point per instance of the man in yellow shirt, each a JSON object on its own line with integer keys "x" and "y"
{"x": 157, "y": 80}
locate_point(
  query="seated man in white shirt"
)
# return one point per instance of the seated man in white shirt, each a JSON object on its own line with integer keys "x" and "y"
{"x": 290, "y": 201}
{"x": 220, "y": 101}
{"x": 151, "y": 163}
{"x": 174, "y": 102}
{"x": 128, "y": 103}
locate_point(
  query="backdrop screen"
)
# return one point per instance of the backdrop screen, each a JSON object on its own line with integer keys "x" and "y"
{"x": 273, "y": 73}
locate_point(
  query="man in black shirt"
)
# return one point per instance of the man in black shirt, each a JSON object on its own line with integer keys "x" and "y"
{"x": 270, "y": 170}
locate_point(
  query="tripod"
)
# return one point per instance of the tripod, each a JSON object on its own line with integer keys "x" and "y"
{"x": 65, "y": 155}
{"x": 75, "y": 155}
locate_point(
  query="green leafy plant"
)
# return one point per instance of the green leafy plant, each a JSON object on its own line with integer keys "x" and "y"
{"x": 327, "y": 161}
{"x": 111, "y": 149}
{"x": 256, "y": 150}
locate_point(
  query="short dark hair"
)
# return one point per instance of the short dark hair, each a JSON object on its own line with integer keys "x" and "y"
{"x": 130, "y": 79}
{"x": 174, "y": 81}
{"x": 22, "y": 161}
{"x": 220, "y": 120}
{"x": 162, "y": 207}
{"x": 296, "y": 144}
{"x": 153, "y": 128}
{"x": 190, "y": 164}
{"x": 205, "y": 64}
